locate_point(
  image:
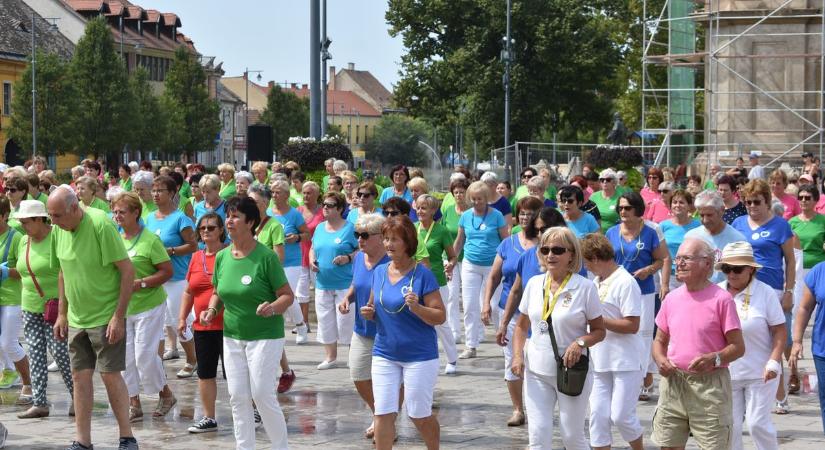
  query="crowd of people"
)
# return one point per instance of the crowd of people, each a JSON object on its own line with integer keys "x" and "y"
{"x": 590, "y": 286}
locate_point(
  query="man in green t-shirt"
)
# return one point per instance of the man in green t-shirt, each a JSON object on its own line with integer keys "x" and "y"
{"x": 95, "y": 285}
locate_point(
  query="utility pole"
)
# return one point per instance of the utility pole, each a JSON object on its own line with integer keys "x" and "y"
{"x": 507, "y": 58}
{"x": 314, "y": 69}
{"x": 325, "y": 56}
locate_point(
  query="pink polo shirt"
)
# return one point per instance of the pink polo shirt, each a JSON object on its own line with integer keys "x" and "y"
{"x": 792, "y": 208}
{"x": 696, "y": 322}
{"x": 820, "y": 205}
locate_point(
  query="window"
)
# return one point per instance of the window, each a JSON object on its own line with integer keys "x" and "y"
{"x": 357, "y": 135}
{"x": 349, "y": 134}
{"x": 366, "y": 129}
{"x": 6, "y": 98}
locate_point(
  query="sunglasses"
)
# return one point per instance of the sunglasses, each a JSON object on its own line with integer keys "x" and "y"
{"x": 605, "y": 180}
{"x": 726, "y": 269}
{"x": 209, "y": 228}
{"x": 545, "y": 250}
{"x": 391, "y": 213}
{"x": 664, "y": 191}
{"x": 805, "y": 198}
{"x": 11, "y": 190}
{"x": 365, "y": 235}
{"x": 364, "y": 194}
{"x": 526, "y": 175}
{"x": 330, "y": 205}
{"x": 625, "y": 208}
{"x": 753, "y": 202}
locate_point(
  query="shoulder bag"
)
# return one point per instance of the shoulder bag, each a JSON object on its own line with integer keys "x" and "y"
{"x": 569, "y": 380}
{"x": 50, "y": 308}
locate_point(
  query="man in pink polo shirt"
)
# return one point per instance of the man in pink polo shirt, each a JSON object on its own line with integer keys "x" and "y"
{"x": 699, "y": 335}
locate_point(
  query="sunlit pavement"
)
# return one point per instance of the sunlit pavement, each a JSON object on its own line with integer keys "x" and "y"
{"x": 323, "y": 410}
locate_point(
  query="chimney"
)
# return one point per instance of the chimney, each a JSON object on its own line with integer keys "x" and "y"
{"x": 295, "y": 86}
{"x": 304, "y": 87}
{"x": 331, "y": 79}
{"x": 351, "y": 66}
{"x": 270, "y": 84}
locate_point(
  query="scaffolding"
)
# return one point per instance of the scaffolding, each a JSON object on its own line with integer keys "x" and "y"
{"x": 755, "y": 85}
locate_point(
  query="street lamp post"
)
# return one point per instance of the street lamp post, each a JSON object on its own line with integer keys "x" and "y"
{"x": 507, "y": 58}
{"x": 246, "y": 73}
{"x": 52, "y": 27}
{"x": 325, "y": 56}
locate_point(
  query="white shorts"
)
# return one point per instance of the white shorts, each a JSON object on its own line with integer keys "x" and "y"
{"x": 305, "y": 280}
{"x": 332, "y": 325}
{"x": 174, "y": 293}
{"x": 418, "y": 378}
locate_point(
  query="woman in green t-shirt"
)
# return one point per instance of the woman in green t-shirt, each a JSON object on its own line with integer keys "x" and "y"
{"x": 606, "y": 199}
{"x": 450, "y": 216}
{"x": 39, "y": 284}
{"x": 86, "y": 188}
{"x": 809, "y": 227}
{"x": 145, "y": 317}
{"x": 250, "y": 284}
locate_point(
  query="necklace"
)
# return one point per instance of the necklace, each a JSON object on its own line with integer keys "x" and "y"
{"x": 140, "y": 233}
{"x": 639, "y": 246}
{"x": 549, "y": 306}
{"x": 406, "y": 289}
{"x": 481, "y": 226}
{"x": 203, "y": 262}
{"x": 746, "y": 303}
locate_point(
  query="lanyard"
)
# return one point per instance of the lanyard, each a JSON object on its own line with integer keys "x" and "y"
{"x": 136, "y": 240}
{"x": 203, "y": 262}
{"x": 547, "y": 310}
{"x": 473, "y": 218}
{"x": 261, "y": 227}
{"x": 429, "y": 230}
{"x": 747, "y": 303}
{"x": 408, "y": 288}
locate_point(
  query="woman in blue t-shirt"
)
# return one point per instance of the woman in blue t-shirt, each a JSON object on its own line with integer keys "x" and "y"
{"x": 480, "y": 230}
{"x": 333, "y": 248}
{"x": 674, "y": 229}
{"x": 497, "y": 201}
{"x": 399, "y": 175}
{"x": 210, "y": 186}
{"x": 406, "y": 306}
{"x": 571, "y": 199}
{"x": 812, "y": 304}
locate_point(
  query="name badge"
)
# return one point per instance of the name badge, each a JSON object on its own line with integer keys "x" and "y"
{"x": 246, "y": 280}
{"x": 132, "y": 253}
{"x": 337, "y": 240}
{"x": 157, "y": 232}
{"x": 483, "y": 227}
{"x": 567, "y": 300}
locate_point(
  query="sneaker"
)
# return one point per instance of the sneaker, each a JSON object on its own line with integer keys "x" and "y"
{"x": 128, "y": 443}
{"x": 782, "y": 407}
{"x": 53, "y": 367}
{"x": 468, "y": 353}
{"x": 257, "y": 416}
{"x": 450, "y": 369}
{"x": 285, "y": 383}
{"x": 328, "y": 365}
{"x": 205, "y": 425}
{"x": 302, "y": 334}
{"x": 644, "y": 393}
{"x": 78, "y": 446}
{"x": 170, "y": 354}
{"x": 187, "y": 371}
{"x": 10, "y": 379}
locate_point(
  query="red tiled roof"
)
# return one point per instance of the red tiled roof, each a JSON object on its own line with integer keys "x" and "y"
{"x": 371, "y": 85}
{"x": 115, "y": 8}
{"x": 135, "y": 12}
{"x": 86, "y": 5}
{"x": 152, "y": 15}
{"x": 171, "y": 20}
{"x": 352, "y": 103}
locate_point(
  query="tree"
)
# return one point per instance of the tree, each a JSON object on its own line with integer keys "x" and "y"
{"x": 56, "y": 125}
{"x": 395, "y": 141}
{"x": 103, "y": 98}
{"x": 287, "y": 115}
{"x": 148, "y": 124}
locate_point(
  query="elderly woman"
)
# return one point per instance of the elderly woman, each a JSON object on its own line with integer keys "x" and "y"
{"x": 451, "y": 216}
{"x": 366, "y": 195}
{"x": 659, "y": 208}
{"x": 674, "y": 229}
{"x": 13, "y": 357}
{"x": 536, "y": 187}
{"x": 754, "y": 376}
{"x": 297, "y": 180}
{"x": 371, "y": 255}
{"x": 313, "y": 215}
{"x": 581, "y": 223}
{"x": 618, "y": 364}
{"x": 17, "y": 189}
{"x": 406, "y": 306}
{"x": 210, "y": 186}
{"x": 145, "y": 315}
{"x": 243, "y": 180}
{"x": 809, "y": 227}
{"x": 399, "y": 175}
{"x": 226, "y": 173}
{"x": 142, "y": 186}
{"x": 177, "y": 234}
{"x": 651, "y": 190}
{"x": 606, "y": 199}
{"x": 39, "y": 285}
{"x": 569, "y": 320}
{"x": 813, "y": 303}
{"x": 260, "y": 170}
{"x": 505, "y": 268}
{"x": 497, "y": 201}
{"x": 333, "y": 247}
{"x": 350, "y": 181}
{"x": 86, "y": 188}
{"x": 728, "y": 187}
{"x": 184, "y": 203}
{"x": 247, "y": 277}
{"x": 480, "y": 230}
{"x": 779, "y": 182}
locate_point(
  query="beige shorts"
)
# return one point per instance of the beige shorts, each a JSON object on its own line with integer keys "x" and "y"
{"x": 89, "y": 348}
{"x": 697, "y": 404}
{"x": 360, "y": 357}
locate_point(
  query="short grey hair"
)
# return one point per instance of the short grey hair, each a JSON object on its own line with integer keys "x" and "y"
{"x": 427, "y": 200}
{"x": 667, "y": 186}
{"x": 330, "y": 161}
{"x": 705, "y": 250}
{"x": 709, "y": 198}
{"x": 143, "y": 176}
{"x": 455, "y": 176}
{"x": 279, "y": 184}
{"x": 260, "y": 189}
{"x": 778, "y": 208}
{"x": 371, "y": 223}
{"x": 489, "y": 178}
{"x": 70, "y": 196}
{"x": 621, "y": 174}
{"x": 244, "y": 175}
{"x": 608, "y": 173}
{"x": 134, "y": 166}
{"x": 113, "y": 192}
{"x": 537, "y": 181}
{"x": 339, "y": 165}
{"x": 77, "y": 171}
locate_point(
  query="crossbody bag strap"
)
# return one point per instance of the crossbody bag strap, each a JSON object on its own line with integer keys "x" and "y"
{"x": 553, "y": 340}
{"x": 29, "y": 268}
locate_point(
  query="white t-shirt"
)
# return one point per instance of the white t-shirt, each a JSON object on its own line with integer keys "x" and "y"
{"x": 763, "y": 310}
{"x": 620, "y": 297}
{"x": 577, "y": 304}
{"x": 756, "y": 172}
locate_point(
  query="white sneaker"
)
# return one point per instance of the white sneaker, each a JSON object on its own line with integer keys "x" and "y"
{"x": 53, "y": 367}
{"x": 328, "y": 365}
{"x": 302, "y": 338}
{"x": 170, "y": 354}
{"x": 450, "y": 369}
{"x": 468, "y": 353}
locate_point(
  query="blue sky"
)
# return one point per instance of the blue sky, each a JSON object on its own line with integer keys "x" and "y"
{"x": 273, "y": 35}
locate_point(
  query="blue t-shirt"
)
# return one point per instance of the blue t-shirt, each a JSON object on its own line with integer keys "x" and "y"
{"x": 815, "y": 280}
{"x": 362, "y": 284}
{"x": 510, "y": 250}
{"x": 201, "y": 209}
{"x": 168, "y": 230}
{"x": 400, "y": 334}
{"x": 327, "y": 245}
{"x": 584, "y": 225}
{"x": 502, "y": 205}
{"x": 767, "y": 243}
{"x": 481, "y": 235}
{"x": 389, "y": 193}
{"x": 527, "y": 267}
{"x": 675, "y": 235}
{"x": 635, "y": 254}
{"x": 291, "y": 221}
{"x": 718, "y": 242}
{"x": 352, "y": 217}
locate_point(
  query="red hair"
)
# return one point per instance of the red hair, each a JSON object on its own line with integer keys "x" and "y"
{"x": 403, "y": 228}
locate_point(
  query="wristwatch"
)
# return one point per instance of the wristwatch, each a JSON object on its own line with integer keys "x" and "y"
{"x": 788, "y": 291}
{"x": 143, "y": 284}
{"x": 718, "y": 361}
{"x": 581, "y": 343}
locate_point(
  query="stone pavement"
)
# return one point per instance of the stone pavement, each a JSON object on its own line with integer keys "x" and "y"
{"x": 323, "y": 410}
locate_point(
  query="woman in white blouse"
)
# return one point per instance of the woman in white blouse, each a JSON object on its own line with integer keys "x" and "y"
{"x": 568, "y": 302}
{"x": 754, "y": 376}
{"x": 617, "y": 360}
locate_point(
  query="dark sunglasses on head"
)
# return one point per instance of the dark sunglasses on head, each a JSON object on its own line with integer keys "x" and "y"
{"x": 364, "y": 194}
{"x": 726, "y": 269}
{"x": 365, "y": 235}
{"x": 753, "y": 202}
{"x": 207, "y": 228}
{"x": 545, "y": 250}
{"x": 391, "y": 213}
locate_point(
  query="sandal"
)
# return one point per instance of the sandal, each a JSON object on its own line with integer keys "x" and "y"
{"x": 135, "y": 414}
{"x": 370, "y": 431}
{"x": 164, "y": 406}
{"x": 644, "y": 394}
{"x": 516, "y": 420}
{"x": 793, "y": 384}
{"x": 781, "y": 408}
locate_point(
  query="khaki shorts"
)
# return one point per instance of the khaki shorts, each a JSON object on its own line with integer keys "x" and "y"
{"x": 89, "y": 348}
{"x": 360, "y": 358}
{"x": 698, "y": 404}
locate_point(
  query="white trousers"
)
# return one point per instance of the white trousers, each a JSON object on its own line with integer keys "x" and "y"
{"x": 306, "y": 278}
{"x": 473, "y": 278}
{"x": 144, "y": 368}
{"x": 508, "y": 349}
{"x": 11, "y": 319}
{"x": 752, "y": 402}
{"x": 540, "y": 397}
{"x": 293, "y": 313}
{"x": 174, "y": 292}
{"x": 332, "y": 325}
{"x": 418, "y": 379}
{"x": 445, "y": 334}
{"x": 252, "y": 371}
{"x": 452, "y": 301}
{"x": 613, "y": 402}
{"x": 646, "y": 325}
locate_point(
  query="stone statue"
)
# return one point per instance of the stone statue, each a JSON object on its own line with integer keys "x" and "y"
{"x": 618, "y": 135}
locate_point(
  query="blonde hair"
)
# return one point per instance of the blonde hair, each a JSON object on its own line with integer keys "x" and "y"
{"x": 260, "y": 165}
{"x": 227, "y": 167}
{"x": 131, "y": 200}
{"x": 88, "y": 182}
{"x": 419, "y": 183}
{"x": 348, "y": 175}
{"x": 371, "y": 223}
{"x": 210, "y": 181}
{"x": 478, "y": 188}
{"x": 568, "y": 239}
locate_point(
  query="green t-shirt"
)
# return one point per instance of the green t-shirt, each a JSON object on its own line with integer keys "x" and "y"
{"x": 42, "y": 197}
{"x": 448, "y": 202}
{"x": 182, "y": 203}
{"x": 296, "y": 199}
{"x": 146, "y": 250}
{"x": 811, "y": 236}
{"x": 40, "y": 261}
{"x": 227, "y": 190}
{"x": 10, "y": 289}
{"x": 147, "y": 208}
{"x": 86, "y": 256}
{"x": 242, "y": 285}
{"x": 272, "y": 234}
{"x": 14, "y": 223}
{"x": 421, "y": 252}
{"x": 437, "y": 239}
{"x": 185, "y": 189}
{"x": 709, "y": 185}
{"x": 550, "y": 192}
{"x": 97, "y": 203}
{"x": 607, "y": 209}
{"x": 324, "y": 184}
{"x": 126, "y": 184}
{"x": 622, "y": 189}
{"x": 449, "y": 220}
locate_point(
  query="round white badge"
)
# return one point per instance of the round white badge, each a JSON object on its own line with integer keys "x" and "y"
{"x": 483, "y": 226}
{"x": 246, "y": 280}
{"x": 337, "y": 240}
{"x": 132, "y": 253}
{"x": 755, "y": 236}
{"x": 640, "y": 245}
{"x": 765, "y": 234}
{"x": 612, "y": 206}
{"x": 157, "y": 232}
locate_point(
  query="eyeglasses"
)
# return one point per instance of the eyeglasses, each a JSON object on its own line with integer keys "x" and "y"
{"x": 686, "y": 259}
{"x": 624, "y": 208}
{"x": 605, "y": 180}
{"x": 567, "y": 200}
{"x": 805, "y": 198}
{"x": 726, "y": 269}
{"x": 525, "y": 213}
{"x": 391, "y": 213}
{"x": 652, "y": 177}
{"x": 365, "y": 235}
{"x": 209, "y": 228}
{"x": 526, "y": 175}
{"x": 330, "y": 205}
{"x": 11, "y": 190}
{"x": 665, "y": 191}
{"x": 363, "y": 194}
{"x": 545, "y": 250}
{"x": 753, "y": 202}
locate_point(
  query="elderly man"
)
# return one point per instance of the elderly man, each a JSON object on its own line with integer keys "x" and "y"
{"x": 699, "y": 335}
{"x": 714, "y": 229}
{"x": 757, "y": 172}
{"x": 715, "y": 170}
{"x": 95, "y": 283}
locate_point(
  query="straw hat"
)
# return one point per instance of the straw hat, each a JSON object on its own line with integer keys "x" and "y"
{"x": 30, "y": 208}
{"x": 737, "y": 254}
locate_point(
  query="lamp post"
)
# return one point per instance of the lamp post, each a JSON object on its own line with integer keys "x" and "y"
{"x": 325, "y": 56}
{"x": 507, "y": 58}
{"x": 246, "y": 73}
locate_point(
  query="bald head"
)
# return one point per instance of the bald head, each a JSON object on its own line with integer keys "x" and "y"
{"x": 694, "y": 261}
{"x": 63, "y": 208}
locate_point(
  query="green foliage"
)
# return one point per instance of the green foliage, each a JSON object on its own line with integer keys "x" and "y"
{"x": 635, "y": 179}
{"x": 317, "y": 176}
{"x": 395, "y": 141}
{"x": 148, "y": 122}
{"x": 311, "y": 154}
{"x": 620, "y": 157}
{"x": 55, "y": 107}
{"x": 193, "y": 120}
{"x": 103, "y": 97}
{"x": 288, "y": 116}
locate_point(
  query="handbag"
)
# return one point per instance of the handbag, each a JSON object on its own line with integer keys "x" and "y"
{"x": 51, "y": 307}
{"x": 569, "y": 380}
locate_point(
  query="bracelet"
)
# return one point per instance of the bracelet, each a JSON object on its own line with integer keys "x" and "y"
{"x": 173, "y": 250}
{"x": 213, "y": 309}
